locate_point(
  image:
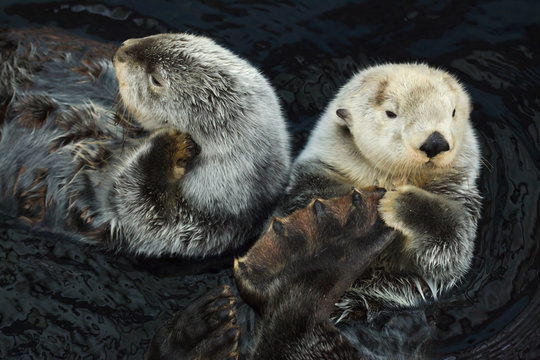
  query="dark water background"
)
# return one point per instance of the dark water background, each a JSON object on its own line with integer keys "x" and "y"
{"x": 61, "y": 300}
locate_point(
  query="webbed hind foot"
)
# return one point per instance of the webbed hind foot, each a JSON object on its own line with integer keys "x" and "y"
{"x": 205, "y": 329}
{"x": 338, "y": 237}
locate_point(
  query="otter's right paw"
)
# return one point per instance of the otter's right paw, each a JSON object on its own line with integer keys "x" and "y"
{"x": 169, "y": 154}
{"x": 205, "y": 329}
{"x": 339, "y": 236}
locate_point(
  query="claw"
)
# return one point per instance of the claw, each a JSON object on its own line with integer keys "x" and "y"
{"x": 320, "y": 209}
{"x": 278, "y": 226}
{"x": 231, "y": 334}
{"x": 356, "y": 198}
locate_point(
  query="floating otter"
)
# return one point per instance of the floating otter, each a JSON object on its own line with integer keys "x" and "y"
{"x": 292, "y": 276}
{"x": 405, "y": 128}
{"x": 195, "y": 175}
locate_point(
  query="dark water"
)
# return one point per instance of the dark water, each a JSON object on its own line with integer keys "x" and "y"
{"x": 61, "y": 300}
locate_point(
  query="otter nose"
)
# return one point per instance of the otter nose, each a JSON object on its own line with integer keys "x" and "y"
{"x": 434, "y": 145}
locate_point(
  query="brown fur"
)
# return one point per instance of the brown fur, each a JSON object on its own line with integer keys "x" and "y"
{"x": 90, "y": 69}
{"x": 300, "y": 233}
{"x": 205, "y": 329}
{"x": 32, "y": 201}
{"x": 292, "y": 278}
{"x": 33, "y": 111}
{"x": 380, "y": 95}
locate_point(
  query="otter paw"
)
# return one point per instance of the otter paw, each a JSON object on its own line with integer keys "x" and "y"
{"x": 411, "y": 210}
{"x": 170, "y": 153}
{"x": 341, "y": 233}
{"x": 205, "y": 329}
{"x": 420, "y": 215}
{"x": 388, "y": 207}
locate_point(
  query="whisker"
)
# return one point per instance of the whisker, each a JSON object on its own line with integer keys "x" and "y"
{"x": 487, "y": 164}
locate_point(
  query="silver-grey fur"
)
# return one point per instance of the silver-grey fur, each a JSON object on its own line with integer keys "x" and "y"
{"x": 94, "y": 182}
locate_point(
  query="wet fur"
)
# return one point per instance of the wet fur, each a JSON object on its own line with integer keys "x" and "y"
{"x": 232, "y": 114}
{"x": 132, "y": 186}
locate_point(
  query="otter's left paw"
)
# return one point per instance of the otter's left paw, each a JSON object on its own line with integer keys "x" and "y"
{"x": 391, "y": 205}
{"x": 205, "y": 329}
{"x": 169, "y": 154}
{"x": 417, "y": 213}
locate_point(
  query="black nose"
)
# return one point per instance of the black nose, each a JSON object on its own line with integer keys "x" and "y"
{"x": 434, "y": 145}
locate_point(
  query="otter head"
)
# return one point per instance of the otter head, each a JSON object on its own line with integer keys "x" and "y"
{"x": 180, "y": 80}
{"x": 405, "y": 118}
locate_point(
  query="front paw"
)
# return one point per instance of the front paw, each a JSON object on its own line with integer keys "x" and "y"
{"x": 391, "y": 205}
{"x": 418, "y": 213}
{"x": 169, "y": 154}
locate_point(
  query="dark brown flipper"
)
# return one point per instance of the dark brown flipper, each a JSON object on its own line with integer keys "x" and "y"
{"x": 206, "y": 329}
{"x": 344, "y": 234}
{"x": 301, "y": 266}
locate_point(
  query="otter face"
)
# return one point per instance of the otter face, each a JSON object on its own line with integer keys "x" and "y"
{"x": 167, "y": 79}
{"x": 406, "y": 118}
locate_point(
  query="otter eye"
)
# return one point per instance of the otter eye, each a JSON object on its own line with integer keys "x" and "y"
{"x": 155, "y": 81}
{"x": 454, "y": 113}
{"x": 390, "y": 114}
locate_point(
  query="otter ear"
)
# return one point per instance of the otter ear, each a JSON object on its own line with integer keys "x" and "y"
{"x": 345, "y": 116}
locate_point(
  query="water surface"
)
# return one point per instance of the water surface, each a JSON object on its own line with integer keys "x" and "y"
{"x": 59, "y": 299}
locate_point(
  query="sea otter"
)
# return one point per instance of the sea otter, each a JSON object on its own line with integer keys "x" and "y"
{"x": 405, "y": 128}
{"x": 194, "y": 173}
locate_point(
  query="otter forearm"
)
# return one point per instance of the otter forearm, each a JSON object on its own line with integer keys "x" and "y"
{"x": 439, "y": 230}
{"x": 146, "y": 199}
{"x": 320, "y": 341}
